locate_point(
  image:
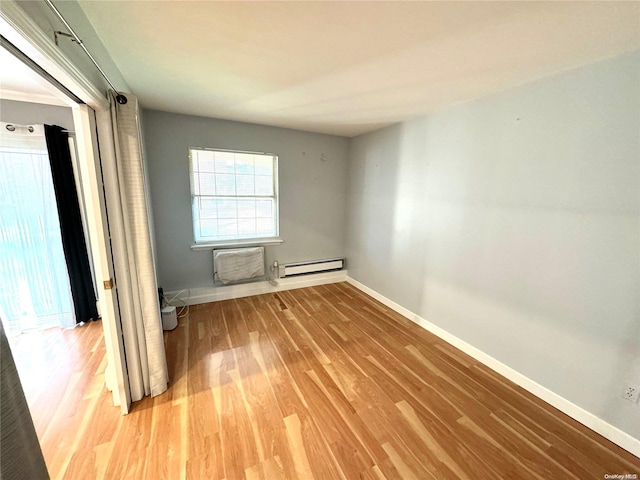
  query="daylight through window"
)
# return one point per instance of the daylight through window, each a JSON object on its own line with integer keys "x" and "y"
{"x": 234, "y": 195}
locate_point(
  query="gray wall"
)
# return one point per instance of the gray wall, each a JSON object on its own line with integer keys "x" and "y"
{"x": 513, "y": 222}
{"x": 24, "y": 113}
{"x": 312, "y": 191}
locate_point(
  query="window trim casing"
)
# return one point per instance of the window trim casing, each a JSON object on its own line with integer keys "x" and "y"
{"x": 205, "y": 245}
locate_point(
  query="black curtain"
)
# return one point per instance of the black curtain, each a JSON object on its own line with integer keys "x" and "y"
{"x": 73, "y": 244}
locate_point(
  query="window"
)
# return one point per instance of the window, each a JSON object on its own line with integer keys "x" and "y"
{"x": 35, "y": 291}
{"x": 234, "y": 195}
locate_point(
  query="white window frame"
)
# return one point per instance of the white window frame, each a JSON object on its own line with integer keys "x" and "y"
{"x": 207, "y": 244}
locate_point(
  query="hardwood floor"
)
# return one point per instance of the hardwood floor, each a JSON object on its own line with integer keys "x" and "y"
{"x": 321, "y": 382}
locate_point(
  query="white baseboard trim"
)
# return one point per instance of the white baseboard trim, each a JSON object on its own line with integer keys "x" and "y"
{"x": 579, "y": 414}
{"x": 195, "y": 296}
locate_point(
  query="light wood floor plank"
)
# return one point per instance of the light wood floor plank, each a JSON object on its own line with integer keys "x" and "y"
{"x": 321, "y": 382}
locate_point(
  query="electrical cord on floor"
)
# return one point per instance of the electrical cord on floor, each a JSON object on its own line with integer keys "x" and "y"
{"x": 182, "y": 310}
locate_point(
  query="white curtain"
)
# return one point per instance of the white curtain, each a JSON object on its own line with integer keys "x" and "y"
{"x": 34, "y": 283}
{"x": 136, "y": 277}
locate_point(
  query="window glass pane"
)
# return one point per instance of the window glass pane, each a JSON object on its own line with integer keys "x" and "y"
{"x": 208, "y": 208}
{"x": 205, "y": 161}
{"x": 264, "y": 208}
{"x": 245, "y": 184}
{"x": 207, "y": 183}
{"x": 224, "y": 162}
{"x": 264, "y": 165}
{"x": 246, "y": 227}
{"x": 194, "y": 160}
{"x": 265, "y": 227}
{"x": 228, "y": 227}
{"x": 225, "y": 184}
{"x": 227, "y": 208}
{"x": 195, "y": 183}
{"x": 244, "y": 163}
{"x": 246, "y": 208}
{"x": 208, "y": 228}
{"x": 264, "y": 185}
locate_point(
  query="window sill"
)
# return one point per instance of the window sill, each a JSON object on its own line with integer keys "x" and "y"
{"x": 249, "y": 242}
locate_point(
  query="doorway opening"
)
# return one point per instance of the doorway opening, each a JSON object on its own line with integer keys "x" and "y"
{"x": 35, "y": 291}
{"x": 51, "y": 78}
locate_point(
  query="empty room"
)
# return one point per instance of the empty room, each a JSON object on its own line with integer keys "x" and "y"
{"x": 320, "y": 240}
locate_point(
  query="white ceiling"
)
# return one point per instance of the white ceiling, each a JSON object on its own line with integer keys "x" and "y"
{"x": 20, "y": 82}
{"x": 347, "y": 67}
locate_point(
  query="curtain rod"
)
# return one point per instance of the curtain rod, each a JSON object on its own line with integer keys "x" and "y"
{"x": 120, "y": 98}
{"x": 12, "y": 126}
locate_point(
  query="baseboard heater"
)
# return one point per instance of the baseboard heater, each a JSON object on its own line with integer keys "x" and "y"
{"x": 305, "y": 268}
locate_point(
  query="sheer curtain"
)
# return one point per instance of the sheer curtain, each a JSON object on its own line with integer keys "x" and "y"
{"x": 138, "y": 297}
{"x": 34, "y": 283}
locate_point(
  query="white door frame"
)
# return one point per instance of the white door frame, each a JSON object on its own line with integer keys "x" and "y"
{"x": 116, "y": 375}
{"x": 17, "y": 27}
